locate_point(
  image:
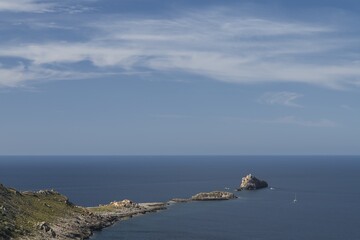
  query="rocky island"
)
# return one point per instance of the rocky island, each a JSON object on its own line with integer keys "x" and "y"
{"x": 47, "y": 214}
{"x": 250, "y": 182}
{"x": 206, "y": 196}
{"x": 215, "y": 195}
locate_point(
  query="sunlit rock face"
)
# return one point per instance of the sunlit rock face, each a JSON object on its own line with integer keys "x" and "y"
{"x": 250, "y": 182}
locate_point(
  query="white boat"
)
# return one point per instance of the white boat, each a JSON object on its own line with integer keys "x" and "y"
{"x": 295, "y": 200}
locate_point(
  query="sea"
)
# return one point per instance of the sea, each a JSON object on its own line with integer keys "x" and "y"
{"x": 327, "y": 190}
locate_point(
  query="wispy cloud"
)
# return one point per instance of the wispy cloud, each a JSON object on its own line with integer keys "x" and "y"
{"x": 60, "y": 52}
{"x": 347, "y": 107}
{"x": 12, "y": 77}
{"x": 20, "y": 75}
{"x": 285, "y": 120}
{"x": 301, "y": 122}
{"x": 25, "y": 6}
{"x": 212, "y": 44}
{"x": 280, "y": 98}
{"x": 42, "y": 6}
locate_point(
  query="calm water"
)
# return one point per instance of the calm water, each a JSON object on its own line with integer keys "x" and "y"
{"x": 327, "y": 190}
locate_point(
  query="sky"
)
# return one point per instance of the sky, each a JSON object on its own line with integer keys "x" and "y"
{"x": 185, "y": 77}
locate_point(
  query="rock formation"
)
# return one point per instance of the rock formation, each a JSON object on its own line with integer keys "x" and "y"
{"x": 216, "y": 195}
{"x": 250, "y": 182}
{"x": 44, "y": 226}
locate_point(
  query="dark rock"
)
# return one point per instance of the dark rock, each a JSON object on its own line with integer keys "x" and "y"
{"x": 44, "y": 226}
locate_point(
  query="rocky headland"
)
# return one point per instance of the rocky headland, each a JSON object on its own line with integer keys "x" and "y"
{"x": 47, "y": 214}
{"x": 250, "y": 182}
{"x": 50, "y": 215}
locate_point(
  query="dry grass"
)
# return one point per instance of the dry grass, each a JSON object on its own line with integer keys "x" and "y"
{"x": 23, "y": 211}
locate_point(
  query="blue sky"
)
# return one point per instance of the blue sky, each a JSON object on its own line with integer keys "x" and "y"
{"x": 179, "y": 77}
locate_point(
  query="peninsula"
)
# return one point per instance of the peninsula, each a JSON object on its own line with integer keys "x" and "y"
{"x": 47, "y": 214}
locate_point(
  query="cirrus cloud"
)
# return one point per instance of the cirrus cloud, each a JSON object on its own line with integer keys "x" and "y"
{"x": 211, "y": 44}
{"x": 281, "y": 98}
{"x": 25, "y": 6}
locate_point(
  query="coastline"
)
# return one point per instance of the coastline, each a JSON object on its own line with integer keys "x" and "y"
{"x": 82, "y": 224}
{"x": 46, "y": 214}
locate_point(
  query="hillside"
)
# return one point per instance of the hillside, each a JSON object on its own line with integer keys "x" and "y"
{"x": 32, "y": 213}
{"x": 50, "y": 215}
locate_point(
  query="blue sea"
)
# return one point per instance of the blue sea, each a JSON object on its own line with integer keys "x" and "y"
{"x": 327, "y": 189}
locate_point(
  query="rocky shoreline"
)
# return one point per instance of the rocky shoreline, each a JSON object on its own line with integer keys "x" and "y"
{"x": 95, "y": 219}
{"x": 47, "y": 214}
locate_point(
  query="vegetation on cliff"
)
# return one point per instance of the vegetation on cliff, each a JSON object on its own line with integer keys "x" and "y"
{"x": 48, "y": 214}
{"x": 23, "y": 212}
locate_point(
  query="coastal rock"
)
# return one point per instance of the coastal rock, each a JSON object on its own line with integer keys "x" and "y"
{"x": 250, "y": 182}
{"x": 215, "y": 195}
{"x": 44, "y": 226}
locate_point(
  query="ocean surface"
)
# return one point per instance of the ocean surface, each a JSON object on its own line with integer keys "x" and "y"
{"x": 327, "y": 189}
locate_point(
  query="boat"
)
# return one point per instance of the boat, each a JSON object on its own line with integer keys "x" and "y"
{"x": 295, "y": 200}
